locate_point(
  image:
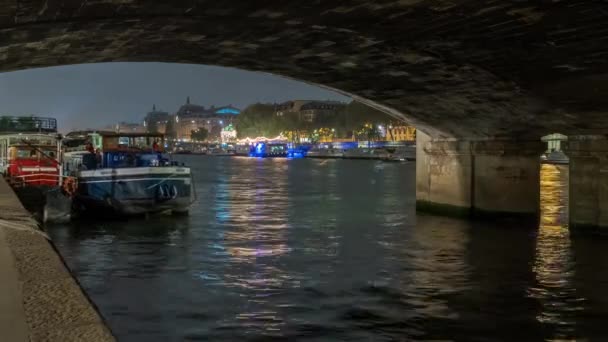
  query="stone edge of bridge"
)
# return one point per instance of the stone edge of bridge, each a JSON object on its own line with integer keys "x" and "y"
{"x": 40, "y": 300}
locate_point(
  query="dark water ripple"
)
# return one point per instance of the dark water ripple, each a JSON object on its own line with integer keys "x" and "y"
{"x": 315, "y": 250}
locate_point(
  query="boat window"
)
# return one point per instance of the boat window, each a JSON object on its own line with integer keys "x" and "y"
{"x": 277, "y": 148}
{"x": 141, "y": 142}
{"x": 50, "y": 153}
{"x": 26, "y": 154}
{"x": 123, "y": 141}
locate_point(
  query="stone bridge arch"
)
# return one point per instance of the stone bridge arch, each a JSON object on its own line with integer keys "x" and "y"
{"x": 489, "y": 74}
{"x": 455, "y": 68}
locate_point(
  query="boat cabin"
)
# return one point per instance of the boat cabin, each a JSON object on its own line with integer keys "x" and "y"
{"x": 265, "y": 149}
{"x": 100, "y": 150}
{"x": 29, "y": 151}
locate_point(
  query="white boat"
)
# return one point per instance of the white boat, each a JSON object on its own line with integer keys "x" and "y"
{"x": 404, "y": 153}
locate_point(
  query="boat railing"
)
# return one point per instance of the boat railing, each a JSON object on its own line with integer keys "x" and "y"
{"x": 24, "y": 124}
{"x": 68, "y": 185}
{"x": 75, "y": 149}
{"x": 52, "y": 179}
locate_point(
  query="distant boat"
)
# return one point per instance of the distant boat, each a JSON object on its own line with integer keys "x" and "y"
{"x": 242, "y": 149}
{"x": 221, "y": 152}
{"x": 406, "y": 153}
{"x": 268, "y": 150}
{"x": 325, "y": 153}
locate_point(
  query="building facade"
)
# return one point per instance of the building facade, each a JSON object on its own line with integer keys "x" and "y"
{"x": 228, "y": 133}
{"x": 191, "y": 117}
{"x": 126, "y": 127}
{"x": 309, "y": 110}
{"x": 156, "y": 120}
{"x": 400, "y": 133}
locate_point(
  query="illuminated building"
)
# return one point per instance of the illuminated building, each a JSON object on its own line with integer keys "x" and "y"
{"x": 155, "y": 119}
{"x": 228, "y": 133}
{"x": 191, "y": 117}
{"x": 400, "y": 133}
{"x": 308, "y": 110}
{"x": 126, "y": 127}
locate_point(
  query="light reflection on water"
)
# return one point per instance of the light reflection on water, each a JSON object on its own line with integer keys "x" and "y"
{"x": 332, "y": 250}
{"x": 554, "y": 264}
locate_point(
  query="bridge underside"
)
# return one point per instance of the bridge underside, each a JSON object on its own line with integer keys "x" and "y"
{"x": 457, "y": 68}
{"x": 462, "y": 71}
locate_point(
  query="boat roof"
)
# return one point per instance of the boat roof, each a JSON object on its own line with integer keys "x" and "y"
{"x": 27, "y": 124}
{"x": 130, "y": 134}
{"x": 113, "y": 134}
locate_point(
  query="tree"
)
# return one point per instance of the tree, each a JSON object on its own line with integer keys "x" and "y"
{"x": 367, "y": 132}
{"x": 358, "y": 114}
{"x": 199, "y": 134}
{"x": 259, "y": 119}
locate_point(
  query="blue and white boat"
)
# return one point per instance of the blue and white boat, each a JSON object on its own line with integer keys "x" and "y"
{"x": 268, "y": 150}
{"x": 125, "y": 174}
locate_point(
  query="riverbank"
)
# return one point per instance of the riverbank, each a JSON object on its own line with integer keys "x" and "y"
{"x": 331, "y": 156}
{"x": 39, "y": 298}
{"x": 371, "y": 157}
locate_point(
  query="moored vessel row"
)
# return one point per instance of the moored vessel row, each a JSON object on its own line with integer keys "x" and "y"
{"x": 100, "y": 173}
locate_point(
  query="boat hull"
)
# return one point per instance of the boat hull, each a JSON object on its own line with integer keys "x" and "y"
{"x": 45, "y": 203}
{"x": 134, "y": 191}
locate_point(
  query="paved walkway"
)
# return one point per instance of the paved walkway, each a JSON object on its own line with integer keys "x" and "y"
{"x": 39, "y": 298}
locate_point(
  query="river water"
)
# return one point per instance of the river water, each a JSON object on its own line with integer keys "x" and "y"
{"x": 331, "y": 250}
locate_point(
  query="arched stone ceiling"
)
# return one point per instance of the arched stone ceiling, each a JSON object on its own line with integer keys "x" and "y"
{"x": 455, "y": 68}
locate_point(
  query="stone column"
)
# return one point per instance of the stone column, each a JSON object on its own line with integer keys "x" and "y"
{"x": 443, "y": 176}
{"x": 478, "y": 178}
{"x": 588, "y": 183}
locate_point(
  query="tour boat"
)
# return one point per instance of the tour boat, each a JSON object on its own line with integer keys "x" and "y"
{"x": 125, "y": 174}
{"x": 221, "y": 151}
{"x": 30, "y": 149}
{"x": 242, "y": 150}
{"x": 268, "y": 150}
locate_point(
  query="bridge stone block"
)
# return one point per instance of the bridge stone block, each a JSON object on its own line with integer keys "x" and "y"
{"x": 478, "y": 178}
{"x": 588, "y": 183}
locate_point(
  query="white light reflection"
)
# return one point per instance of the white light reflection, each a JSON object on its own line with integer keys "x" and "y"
{"x": 255, "y": 238}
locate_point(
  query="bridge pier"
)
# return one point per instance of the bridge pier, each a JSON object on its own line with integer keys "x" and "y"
{"x": 588, "y": 183}
{"x": 481, "y": 178}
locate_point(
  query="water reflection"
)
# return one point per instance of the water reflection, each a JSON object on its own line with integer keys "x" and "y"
{"x": 332, "y": 250}
{"x": 254, "y": 238}
{"x": 554, "y": 264}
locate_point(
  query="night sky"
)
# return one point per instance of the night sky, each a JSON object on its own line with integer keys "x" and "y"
{"x": 94, "y": 95}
